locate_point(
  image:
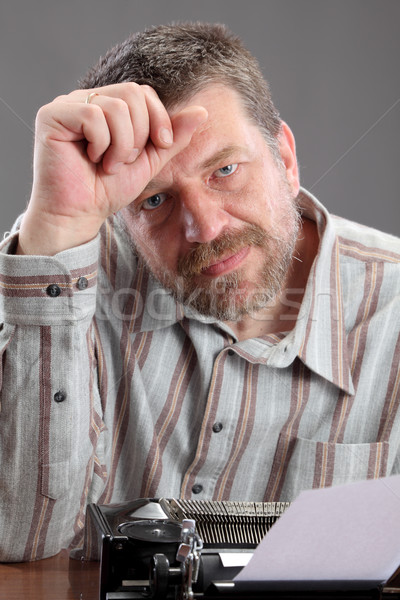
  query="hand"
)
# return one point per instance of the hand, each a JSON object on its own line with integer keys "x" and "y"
{"x": 93, "y": 159}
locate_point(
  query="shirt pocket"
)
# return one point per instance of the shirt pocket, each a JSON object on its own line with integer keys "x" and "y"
{"x": 310, "y": 464}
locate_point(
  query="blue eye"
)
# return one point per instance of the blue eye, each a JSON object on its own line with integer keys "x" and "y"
{"x": 154, "y": 201}
{"x": 225, "y": 171}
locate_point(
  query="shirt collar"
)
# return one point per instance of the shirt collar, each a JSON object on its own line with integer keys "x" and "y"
{"x": 319, "y": 338}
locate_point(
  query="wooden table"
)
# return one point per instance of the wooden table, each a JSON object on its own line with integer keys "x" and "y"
{"x": 56, "y": 578}
{"x": 61, "y": 578}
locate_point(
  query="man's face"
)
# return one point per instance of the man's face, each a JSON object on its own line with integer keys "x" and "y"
{"x": 218, "y": 225}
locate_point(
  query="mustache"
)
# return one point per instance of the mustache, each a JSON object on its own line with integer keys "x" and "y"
{"x": 204, "y": 255}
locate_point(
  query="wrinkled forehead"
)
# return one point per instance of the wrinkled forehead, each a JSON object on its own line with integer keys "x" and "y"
{"x": 228, "y": 133}
{"x": 225, "y": 98}
{"x": 211, "y": 93}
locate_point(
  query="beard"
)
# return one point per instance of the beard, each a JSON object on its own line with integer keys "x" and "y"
{"x": 232, "y": 296}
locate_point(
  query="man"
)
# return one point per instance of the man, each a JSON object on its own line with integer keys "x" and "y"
{"x": 179, "y": 317}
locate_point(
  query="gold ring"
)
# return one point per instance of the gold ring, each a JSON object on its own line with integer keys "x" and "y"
{"x": 90, "y": 97}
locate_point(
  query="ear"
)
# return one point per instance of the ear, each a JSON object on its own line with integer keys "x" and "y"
{"x": 287, "y": 148}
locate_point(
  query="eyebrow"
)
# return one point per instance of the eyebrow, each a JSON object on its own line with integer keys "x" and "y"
{"x": 221, "y": 155}
{"x": 208, "y": 163}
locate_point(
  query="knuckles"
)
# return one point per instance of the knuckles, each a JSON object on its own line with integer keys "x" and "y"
{"x": 44, "y": 113}
{"x": 125, "y": 90}
{"x": 119, "y": 107}
{"x": 147, "y": 89}
{"x": 61, "y": 98}
{"x": 126, "y": 106}
{"x": 131, "y": 87}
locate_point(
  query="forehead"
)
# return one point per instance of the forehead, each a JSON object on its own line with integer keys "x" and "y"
{"x": 210, "y": 94}
{"x": 227, "y": 129}
{"x": 223, "y": 104}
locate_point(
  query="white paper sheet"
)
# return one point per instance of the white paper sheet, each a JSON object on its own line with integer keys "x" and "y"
{"x": 348, "y": 533}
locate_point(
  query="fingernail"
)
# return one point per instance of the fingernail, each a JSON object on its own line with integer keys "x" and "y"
{"x": 166, "y": 135}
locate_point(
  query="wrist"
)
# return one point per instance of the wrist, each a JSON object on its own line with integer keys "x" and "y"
{"x": 44, "y": 235}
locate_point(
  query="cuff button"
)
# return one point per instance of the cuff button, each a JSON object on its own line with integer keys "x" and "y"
{"x": 53, "y": 290}
{"x": 82, "y": 283}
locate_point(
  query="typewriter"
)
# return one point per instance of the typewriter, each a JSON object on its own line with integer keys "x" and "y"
{"x": 170, "y": 548}
{"x": 187, "y": 550}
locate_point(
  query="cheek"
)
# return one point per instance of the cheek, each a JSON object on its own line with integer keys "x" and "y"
{"x": 253, "y": 204}
{"x": 159, "y": 246}
{"x": 272, "y": 190}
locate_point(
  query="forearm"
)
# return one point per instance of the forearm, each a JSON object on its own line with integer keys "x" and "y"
{"x": 93, "y": 159}
{"x": 48, "y": 395}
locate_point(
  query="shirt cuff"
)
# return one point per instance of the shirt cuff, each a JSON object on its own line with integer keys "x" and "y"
{"x": 48, "y": 290}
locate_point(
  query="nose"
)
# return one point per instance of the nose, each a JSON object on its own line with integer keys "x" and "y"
{"x": 203, "y": 218}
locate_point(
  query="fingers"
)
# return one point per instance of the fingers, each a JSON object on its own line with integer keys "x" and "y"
{"x": 120, "y": 122}
{"x": 123, "y": 144}
{"x": 160, "y": 130}
{"x": 184, "y": 125}
{"x": 186, "y": 122}
{"x": 133, "y": 114}
{"x": 133, "y": 118}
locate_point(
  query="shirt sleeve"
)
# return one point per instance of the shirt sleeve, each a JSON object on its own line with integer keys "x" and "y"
{"x": 47, "y": 381}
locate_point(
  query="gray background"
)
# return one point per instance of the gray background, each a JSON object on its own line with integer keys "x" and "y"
{"x": 332, "y": 64}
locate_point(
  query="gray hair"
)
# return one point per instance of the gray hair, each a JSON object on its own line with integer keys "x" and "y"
{"x": 179, "y": 60}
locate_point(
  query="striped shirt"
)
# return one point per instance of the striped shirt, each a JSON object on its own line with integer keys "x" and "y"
{"x": 112, "y": 391}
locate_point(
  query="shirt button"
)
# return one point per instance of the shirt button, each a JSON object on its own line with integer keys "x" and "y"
{"x": 53, "y": 290}
{"x": 231, "y": 352}
{"x": 217, "y": 427}
{"x": 197, "y": 488}
{"x": 60, "y": 396}
{"x": 82, "y": 283}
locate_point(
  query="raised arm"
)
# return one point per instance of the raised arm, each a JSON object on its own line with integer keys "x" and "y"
{"x": 95, "y": 151}
{"x": 91, "y": 159}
